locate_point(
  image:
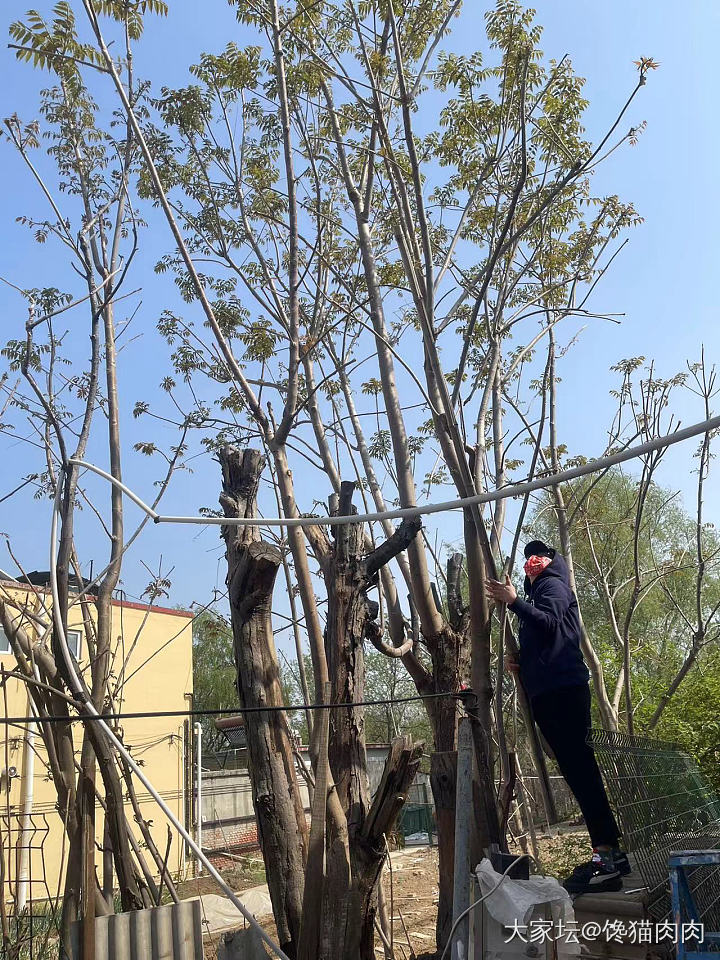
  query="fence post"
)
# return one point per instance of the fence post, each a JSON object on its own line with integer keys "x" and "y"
{"x": 463, "y": 821}
{"x": 88, "y": 859}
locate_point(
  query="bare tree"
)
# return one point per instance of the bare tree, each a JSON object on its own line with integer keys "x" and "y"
{"x": 701, "y": 627}
{"x": 91, "y": 219}
{"x": 300, "y": 231}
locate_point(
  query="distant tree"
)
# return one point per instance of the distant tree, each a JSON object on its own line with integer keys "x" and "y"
{"x": 387, "y": 679}
{"x": 214, "y": 680}
{"x": 647, "y": 570}
{"x": 215, "y": 676}
{"x": 692, "y": 716}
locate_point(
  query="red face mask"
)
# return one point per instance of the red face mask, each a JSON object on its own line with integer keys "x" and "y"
{"x": 535, "y": 565}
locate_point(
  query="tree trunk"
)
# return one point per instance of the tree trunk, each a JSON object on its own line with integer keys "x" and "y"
{"x": 450, "y": 654}
{"x": 252, "y": 568}
{"x": 451, "y": 664}
{"x": 443, "y": 769}
{"x": 348, "y": 615}
{"x": 350, "y": 910}
{"x": 608, "y": 714}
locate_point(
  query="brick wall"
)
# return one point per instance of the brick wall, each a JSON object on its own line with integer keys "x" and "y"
{"x": 223, "y": 842}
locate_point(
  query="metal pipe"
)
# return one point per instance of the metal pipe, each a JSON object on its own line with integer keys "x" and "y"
{"x": 198, "y": 790}
{"x": 26, "y": 806}
{"x": 185, "y": 793}
{"x": 117, "y": 483}
{"x": 512, "y": 490}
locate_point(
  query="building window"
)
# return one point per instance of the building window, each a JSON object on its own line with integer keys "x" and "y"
{"x": 73, "y": 640}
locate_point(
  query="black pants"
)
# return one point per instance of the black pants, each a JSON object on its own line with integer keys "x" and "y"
{"x": 563, "y": 716}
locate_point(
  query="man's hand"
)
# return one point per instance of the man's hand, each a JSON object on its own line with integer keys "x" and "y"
{"x": 501, "y": 592}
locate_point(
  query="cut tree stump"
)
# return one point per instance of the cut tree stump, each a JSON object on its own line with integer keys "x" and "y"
{"x": 252, "y": 568}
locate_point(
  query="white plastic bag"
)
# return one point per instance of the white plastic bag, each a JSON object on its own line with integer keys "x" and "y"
{"x": 515, "y": 901}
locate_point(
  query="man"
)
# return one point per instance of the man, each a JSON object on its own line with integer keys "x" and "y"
{"x": 556, "y": 679}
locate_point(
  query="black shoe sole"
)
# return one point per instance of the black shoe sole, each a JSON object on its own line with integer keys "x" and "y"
{"x": 610, "y": 885}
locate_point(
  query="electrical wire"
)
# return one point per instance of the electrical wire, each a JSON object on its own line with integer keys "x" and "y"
{"x": 511, "y": 490}
{"x": 219, "y": 711}
{"x": 502, "y": 493}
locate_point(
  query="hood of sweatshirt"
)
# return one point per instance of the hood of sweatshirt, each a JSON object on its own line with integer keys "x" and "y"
{"x": 557, "y": 568}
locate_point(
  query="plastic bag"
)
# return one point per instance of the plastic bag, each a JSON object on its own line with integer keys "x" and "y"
{"x": 515, "y": 901}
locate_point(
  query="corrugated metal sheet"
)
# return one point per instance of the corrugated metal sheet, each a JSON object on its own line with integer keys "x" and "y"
{"x": 172, "y": 932}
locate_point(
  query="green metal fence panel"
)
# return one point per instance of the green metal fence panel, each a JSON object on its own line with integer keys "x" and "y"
{"x": 417, "y": 818}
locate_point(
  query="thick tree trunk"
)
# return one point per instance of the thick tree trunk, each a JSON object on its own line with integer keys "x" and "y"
{"x": 348, "y": 615}
{"x": 451, "y": 665}
{"x": 481, "y": 681}
{"x": 350, "y": 908}
{"x": 252, "y": 568}
{"x": 450, "y": 654}
{"x": 443, "y": 770}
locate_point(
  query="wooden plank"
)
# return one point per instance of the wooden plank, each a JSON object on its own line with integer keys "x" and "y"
{"x": 87, "y": 806}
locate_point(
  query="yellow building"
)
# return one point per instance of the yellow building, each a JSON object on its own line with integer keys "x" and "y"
{"x": 152, "y": 648}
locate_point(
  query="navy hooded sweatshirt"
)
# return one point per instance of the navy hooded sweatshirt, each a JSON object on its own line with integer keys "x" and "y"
{"x": 550, "y": 655}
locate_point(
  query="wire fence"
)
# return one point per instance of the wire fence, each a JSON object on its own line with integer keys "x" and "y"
{"x": 663, "y": 804}
{"x": 32, "y": 908}
{"x": 229, "y": 830}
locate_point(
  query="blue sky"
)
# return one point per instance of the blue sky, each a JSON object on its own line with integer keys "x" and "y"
{"x": 664, "y": 281}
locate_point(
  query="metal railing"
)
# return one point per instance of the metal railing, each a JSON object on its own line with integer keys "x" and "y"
{"x": 663, "y": 804}
{"x": 32, "y": 911}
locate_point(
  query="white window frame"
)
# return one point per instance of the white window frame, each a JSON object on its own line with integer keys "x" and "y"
{"x": 74, "y": 638}
{"x": 74, "y": 641}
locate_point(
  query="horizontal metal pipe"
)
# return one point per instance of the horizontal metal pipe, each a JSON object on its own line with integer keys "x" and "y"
{"x": 402, "y": 513}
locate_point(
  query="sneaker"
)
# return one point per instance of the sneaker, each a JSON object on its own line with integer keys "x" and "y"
{"x": 621, "y": 862}
{"x": 595, "y": 876}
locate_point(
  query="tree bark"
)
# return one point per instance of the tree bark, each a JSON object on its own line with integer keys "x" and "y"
{"x": 443, "y": 770}
{"x": 252, "y": 568}
{"x": 350, "y": 904}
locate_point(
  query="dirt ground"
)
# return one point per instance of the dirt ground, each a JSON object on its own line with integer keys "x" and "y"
{"x": 411, "y": 888}
{"x": 250, "y": 872}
